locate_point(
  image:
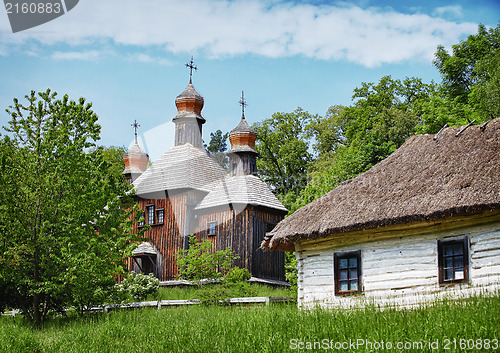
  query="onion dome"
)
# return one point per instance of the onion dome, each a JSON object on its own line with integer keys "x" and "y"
{"x": 189, "y": 104}
{"x": 242, "y": 137}
{"x": 136, "y": 162}
{"x": 242, "y": 154}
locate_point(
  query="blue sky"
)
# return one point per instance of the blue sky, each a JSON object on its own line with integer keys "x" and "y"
{"x": 127, "y": 56}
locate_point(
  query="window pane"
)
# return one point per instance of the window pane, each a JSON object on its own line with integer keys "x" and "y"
{"x": 343, "y": 286}
{"x": 448, "y": 250}
{"x": 353, "y": 262}
{"x": 343, "y": 274}
{"x": 448, "y": 262}
{"x": 212, "y": 228}
{"x": 353, "y": 274}
{"x": 160, "y": 216}
{"x": 354, "y": 285}
{"x": 459, "y": 273}
{"x": 459, "y": 261}
{"x": 343, "y": 263}
{"x": 151, "y": 214}
{"x": 448, "y": 275}
{"x": 458, "y": 249}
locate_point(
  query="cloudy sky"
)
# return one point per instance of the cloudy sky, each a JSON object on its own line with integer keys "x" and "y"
{"x": 128, "y": 56}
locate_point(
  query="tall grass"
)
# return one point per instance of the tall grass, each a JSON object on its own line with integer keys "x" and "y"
{"x": 276, "y": 328}
{"x": 248, "y": 290}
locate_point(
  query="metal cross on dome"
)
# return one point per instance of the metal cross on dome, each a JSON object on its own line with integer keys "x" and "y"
{"x": 135, "y": 125}
{"x": 191, "y": 67}
{"x": 243, "y": 104}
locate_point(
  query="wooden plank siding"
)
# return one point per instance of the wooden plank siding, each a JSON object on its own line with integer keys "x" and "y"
{"x": 400, "y": 271}
{"x": 266, "y": 264}
{"x": 167, "y": 237}
{"x": 241, "y": 232}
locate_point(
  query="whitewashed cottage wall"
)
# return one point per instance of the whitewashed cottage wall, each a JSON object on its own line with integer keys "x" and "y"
{"x": 400, "y": 271}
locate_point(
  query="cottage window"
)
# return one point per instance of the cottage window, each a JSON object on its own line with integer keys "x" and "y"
{"x": 211, "y": 228}
{"x": 347, "y": 267}
{"x": 453, "y": 258}
{"x": 151, "y": 214}
{"x": 160, "y": 215}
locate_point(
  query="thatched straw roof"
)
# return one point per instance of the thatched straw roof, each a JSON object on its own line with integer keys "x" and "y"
{"x": 426, "y": 179}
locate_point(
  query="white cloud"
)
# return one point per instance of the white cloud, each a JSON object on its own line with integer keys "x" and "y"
{"x": 220, "y": 28}
{"x": 88, "y": 55}
{"x": 145, "y": 58}
{"x": 453, "y": 10}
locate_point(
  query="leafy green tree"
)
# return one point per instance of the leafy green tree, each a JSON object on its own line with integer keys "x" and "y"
{"x": 485, "y": 95}
{"x": 218, "y": 146}
{"x": 465, "y": 67}
{"x": 283, "y": 149}
{"x": 66, "y": 221}
{"x": 114, "y": 156}
{"x": 328, "y": 131}
{"x": 350, "y": 140}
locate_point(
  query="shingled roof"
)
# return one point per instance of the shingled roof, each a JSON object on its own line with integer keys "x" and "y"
{"x": 242, "y": 190}
{"x": 427, "y": 178}
{"x": 180, "y": 167}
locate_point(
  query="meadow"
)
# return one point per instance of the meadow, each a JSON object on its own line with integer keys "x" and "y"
{"x": 472, "y": 324}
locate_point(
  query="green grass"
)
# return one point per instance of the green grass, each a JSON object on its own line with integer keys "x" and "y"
{"x": 254, "y": 328}
{"x": 249, "y": 290}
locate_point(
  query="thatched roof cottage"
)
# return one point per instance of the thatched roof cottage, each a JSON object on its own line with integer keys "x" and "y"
{"x": 422, "y": 223}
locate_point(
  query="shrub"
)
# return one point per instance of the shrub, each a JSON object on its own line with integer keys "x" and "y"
{"x": 139, "y": 286}
{"x": 291, "y": 270}
{"x": 199, "y": 263}
{"x": 236, "y": 275}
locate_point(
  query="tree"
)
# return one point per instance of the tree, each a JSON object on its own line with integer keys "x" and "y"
{"x": 328, "y": 131}
{"x": 218, "y": 146}
{"x": 65, "y": 220}
{"x": 114, "y": 156}
{"x": 472, "y": 66}
{"x": 350, "y": 140}
{"x": 283, "y": 146}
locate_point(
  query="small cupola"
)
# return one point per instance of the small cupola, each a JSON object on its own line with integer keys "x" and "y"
{"x": 242, "y": 154}
{"x": 189, "y": 121}
{"x": 135, "y": 160}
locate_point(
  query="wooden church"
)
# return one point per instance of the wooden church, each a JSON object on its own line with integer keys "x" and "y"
{"x": 187, "y": 192}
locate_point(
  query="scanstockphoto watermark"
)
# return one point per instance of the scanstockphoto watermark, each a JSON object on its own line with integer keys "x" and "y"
{"x": 24, "y": 14}
{"x": 363, "y": 344}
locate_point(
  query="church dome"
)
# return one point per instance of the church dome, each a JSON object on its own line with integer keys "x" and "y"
{"x": 242, "y": 137}
{"x": 190, "y": 101}
{"x": 136, "y": 162}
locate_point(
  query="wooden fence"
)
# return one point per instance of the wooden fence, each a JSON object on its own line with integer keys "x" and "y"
{"x": 170, "y": 303}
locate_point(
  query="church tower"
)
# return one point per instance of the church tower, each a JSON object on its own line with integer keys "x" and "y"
{"x": 188, "y": 121}
{"x": 135, "y": 160}
{"x": 242, "y": 156}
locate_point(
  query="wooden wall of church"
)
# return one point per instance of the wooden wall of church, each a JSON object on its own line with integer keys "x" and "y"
{"x": 166, "y": 236}
{"x": 268, "y": 264}
{"x": 243, "y": 235}
{"x": 242, "y": 232}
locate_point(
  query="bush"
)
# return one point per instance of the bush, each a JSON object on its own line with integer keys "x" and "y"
{"x": 236, "y": 275}
{"x": 291, "y": 271}
{"x": 139, "y": 286}
{"x": 199, "y": 263}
